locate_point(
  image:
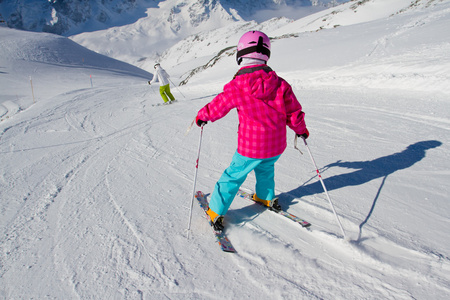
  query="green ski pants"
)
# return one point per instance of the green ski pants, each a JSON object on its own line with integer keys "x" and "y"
{"x": 165, "y": 91}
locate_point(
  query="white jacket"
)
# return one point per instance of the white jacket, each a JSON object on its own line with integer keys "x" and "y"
{"x": 161, "y": 76}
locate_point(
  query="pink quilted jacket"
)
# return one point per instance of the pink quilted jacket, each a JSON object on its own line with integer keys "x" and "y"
{"x": 265, "y": 104}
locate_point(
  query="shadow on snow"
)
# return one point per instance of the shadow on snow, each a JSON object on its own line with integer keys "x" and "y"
{"x": 365, "y": 171}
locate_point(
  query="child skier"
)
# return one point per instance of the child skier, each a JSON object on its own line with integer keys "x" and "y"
{"x": 163, "y": 78}
{"x": 265, "y": 104}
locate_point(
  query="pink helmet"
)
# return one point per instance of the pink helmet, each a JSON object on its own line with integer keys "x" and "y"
{"x": 253, "y": 44}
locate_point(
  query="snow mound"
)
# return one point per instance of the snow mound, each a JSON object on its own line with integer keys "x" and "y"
{"x": 56, "y": 50}
{"x": 8, "y": 109}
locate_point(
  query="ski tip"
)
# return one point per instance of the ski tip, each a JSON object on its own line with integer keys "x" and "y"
{"x": 227, "y": 247}
{"x": 229, "y": 250}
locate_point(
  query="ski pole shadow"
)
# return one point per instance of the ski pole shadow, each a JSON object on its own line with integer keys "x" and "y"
{"x": 371, "y": 209}
{"x": 204, "y": 97}
{"x": 365, "y": 171}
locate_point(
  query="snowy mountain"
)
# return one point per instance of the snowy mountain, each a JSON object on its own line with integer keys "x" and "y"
{"x": 144, "y": 29}
{"x": 143, "y": 41}
{"x": 70, "y": 16}
{"x": 152, "y": 40}
{"x": 219, "y": 43}
{"x": 96, "y": 183}
{"x": 74, "y": 16}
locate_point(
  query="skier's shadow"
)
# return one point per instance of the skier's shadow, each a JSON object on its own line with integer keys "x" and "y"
{"x": 365, "y": 171}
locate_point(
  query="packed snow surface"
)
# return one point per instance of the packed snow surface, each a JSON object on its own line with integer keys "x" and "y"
{"x": 96, "y": 183}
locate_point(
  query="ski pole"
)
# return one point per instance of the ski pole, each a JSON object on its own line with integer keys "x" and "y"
{"x": 195, "y": 181}
{"x": 177, "y": 88}
{"x": 321, "y": 181}
{"x": 151, "y": 88}
{"x": 32, "y": 91}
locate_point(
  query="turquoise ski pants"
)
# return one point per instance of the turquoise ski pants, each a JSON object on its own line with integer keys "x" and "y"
{"x": 233, "y": 177}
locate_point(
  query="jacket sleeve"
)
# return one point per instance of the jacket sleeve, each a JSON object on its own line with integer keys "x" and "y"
{"x": 155, "y": 77}
{"x": 165, "y": 74}
{"x": 295, "y": 117}
{"x": 220, "y": 106}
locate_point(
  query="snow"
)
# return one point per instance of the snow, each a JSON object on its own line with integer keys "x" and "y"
{"x": 96, "y": 183}
{"x": 143, "y": 42}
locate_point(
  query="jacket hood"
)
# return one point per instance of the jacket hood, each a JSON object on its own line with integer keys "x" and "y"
{"x": 261, "y": 84}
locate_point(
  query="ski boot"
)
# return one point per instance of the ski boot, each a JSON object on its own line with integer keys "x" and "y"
{"x": 216, "y": 220}
{"x": 271, "y": 204}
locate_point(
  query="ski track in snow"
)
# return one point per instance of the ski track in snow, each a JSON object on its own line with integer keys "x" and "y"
{"x": 88, "y": 204}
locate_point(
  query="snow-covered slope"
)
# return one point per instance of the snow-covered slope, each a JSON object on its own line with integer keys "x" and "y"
{"x": 394, "y": 50}
{"x": 352, "y": 12}
{"x": 95, "y": 183}
{"x": 41, "y": 66}
{"x": 397, "y": 52}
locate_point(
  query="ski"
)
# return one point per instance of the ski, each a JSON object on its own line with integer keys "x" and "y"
{"x": 161, "y": 104}
{"x": 221, "y": 237}
{"x": 164, "y": 103}
{"x": 249, "y": 196}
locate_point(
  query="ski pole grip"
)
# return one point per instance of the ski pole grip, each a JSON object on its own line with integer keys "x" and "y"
{"x": 304, "y": 140}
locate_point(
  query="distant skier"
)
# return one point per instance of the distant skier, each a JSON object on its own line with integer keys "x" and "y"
{"x": 265, "y": 104}
{"x": 163, "y": 78}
